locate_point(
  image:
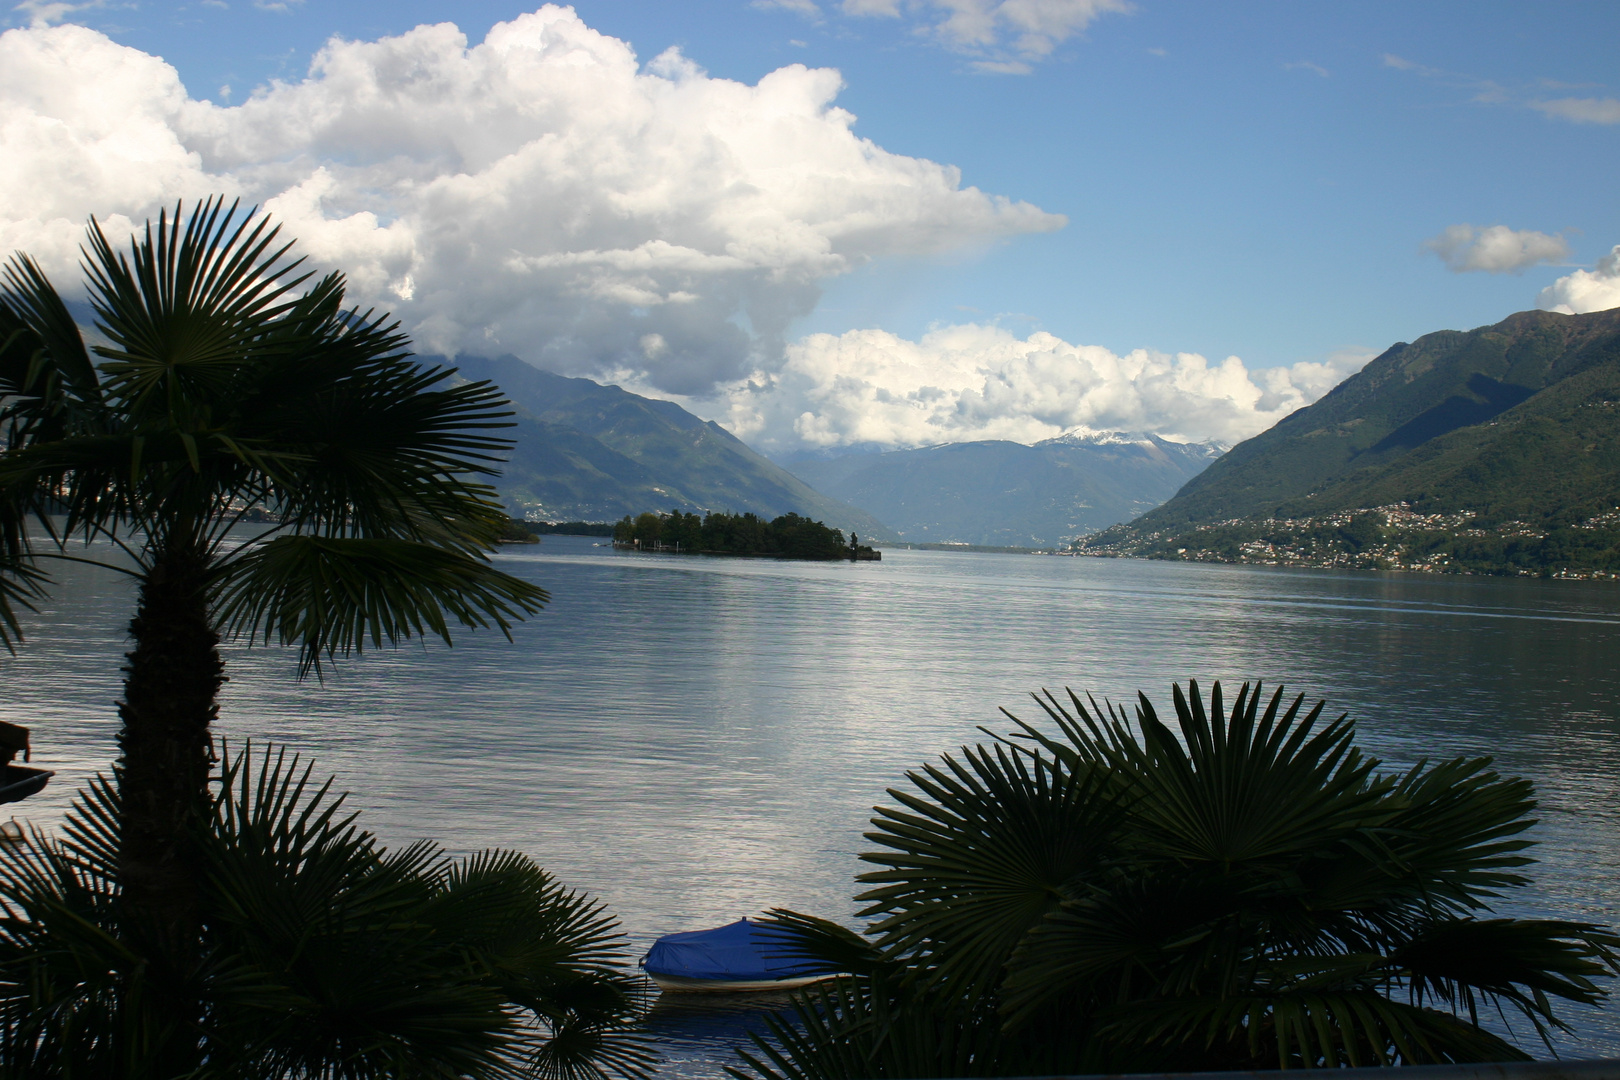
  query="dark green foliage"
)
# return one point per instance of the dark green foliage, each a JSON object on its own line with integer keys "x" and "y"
{"x": 518, "y": 531}
{"x": 233, "y": 387}
{"x": 1242, "y": 890}
{"x": 225, "y": 389}
{"x": 789, "y": 536}
{"x": 326, "y": 955}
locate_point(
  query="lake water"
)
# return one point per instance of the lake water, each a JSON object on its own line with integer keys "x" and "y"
{"x": 694, "y": 740}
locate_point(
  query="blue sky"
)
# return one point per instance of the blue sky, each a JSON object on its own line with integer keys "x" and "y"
{"x": 1254, "y": 179}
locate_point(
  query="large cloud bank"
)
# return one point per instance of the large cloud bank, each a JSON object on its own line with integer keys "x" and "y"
{"x": 1597, "y": 289}
{"x": 961, "y": 383}
{"x": 540, "y": 193}
{"x": 545, "y": 194}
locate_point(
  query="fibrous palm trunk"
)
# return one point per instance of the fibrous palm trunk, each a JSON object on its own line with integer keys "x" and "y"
{"x": 171, "y": 683}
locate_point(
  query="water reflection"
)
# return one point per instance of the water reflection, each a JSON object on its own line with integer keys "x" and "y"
{"x": 695, "y": 740}
{"x": 689, "y": 1027}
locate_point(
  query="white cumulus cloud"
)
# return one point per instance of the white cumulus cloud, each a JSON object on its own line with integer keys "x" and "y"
{"x": 1496, "y": 249}
{"x": 1597, "y": 289}
{"x": 968, "y": 382}
{"x": 541, "y": 192}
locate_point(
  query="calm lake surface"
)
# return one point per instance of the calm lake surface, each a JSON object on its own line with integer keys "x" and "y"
{"x": 694, "y": 740}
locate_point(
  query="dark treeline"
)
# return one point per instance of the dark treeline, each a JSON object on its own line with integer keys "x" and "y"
{"x": 519, "y": 531}
{"x": 572, "y": 528}
{"x": 789, "y": 536}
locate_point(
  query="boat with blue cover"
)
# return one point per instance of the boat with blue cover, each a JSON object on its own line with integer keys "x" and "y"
{"x": 740, "y": 957}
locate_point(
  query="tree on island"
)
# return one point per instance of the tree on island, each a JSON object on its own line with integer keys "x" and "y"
{"x": 231, "y": 379}
{"x": 789, "y": 536}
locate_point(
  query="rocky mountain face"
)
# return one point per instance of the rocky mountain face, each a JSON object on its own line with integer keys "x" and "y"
{"x": 588, "y": 452}
{"x": 1009, "y": 494}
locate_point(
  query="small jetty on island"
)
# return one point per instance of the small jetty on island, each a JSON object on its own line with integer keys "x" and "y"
{"x": 789, "y": 536}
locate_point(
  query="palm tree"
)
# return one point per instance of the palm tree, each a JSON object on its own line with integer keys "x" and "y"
{"x": 325, "y": 955}
{"x": 224, "y": 386}
{"x": 1244, "y": 890}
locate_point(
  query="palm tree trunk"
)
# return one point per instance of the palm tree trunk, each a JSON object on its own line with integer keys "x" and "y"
{"x": 171, "y": 682}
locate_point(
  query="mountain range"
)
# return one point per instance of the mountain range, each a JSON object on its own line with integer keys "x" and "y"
{"x": 1494, "y": 449}
{"x": 588, "y": 452}
{"x": 1009, "y": 494}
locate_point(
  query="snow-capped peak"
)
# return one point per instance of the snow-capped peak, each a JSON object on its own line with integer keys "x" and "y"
{"x": 1087, "y": 437}
{"x": 1083, "y": 436}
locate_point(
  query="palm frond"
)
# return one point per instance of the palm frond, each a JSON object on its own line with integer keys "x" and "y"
{"x": 556, "y": 954}
{"x": 1460, "y": 831}
{"x": 1356, "y": 1028}
{"x": 44, "y": 356}
{"x": 45, "y": 375}
{"x": 75, "y": 988}
{"x": 327, "y": 954}
{"x": 384, "y": 448}
{"x": 1240, "y": 889}
{"x": 21, "y": 579}
{"x": 858, "y": 1028}
{"x": 1466, "y": 963}
{"x": 985, "y": 849}
{"x": 332, "y": 596}
{"x": 837, "y": 948}
{"x": 372, "y": 962}
{"x": 186, "y": 305}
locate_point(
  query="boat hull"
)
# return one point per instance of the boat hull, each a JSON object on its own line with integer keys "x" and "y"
{"x": 19, "y": 782}
{"x": 676, "y": 984}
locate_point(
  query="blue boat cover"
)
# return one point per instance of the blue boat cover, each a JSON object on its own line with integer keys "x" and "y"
{"x": 742, "y": 952}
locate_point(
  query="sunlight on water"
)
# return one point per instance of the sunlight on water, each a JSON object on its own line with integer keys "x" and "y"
{"x": 698, "y": 739}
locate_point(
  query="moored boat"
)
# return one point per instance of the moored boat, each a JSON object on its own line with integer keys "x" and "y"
{"x": 741, "y": 957}
{"x": 18, "y": 781}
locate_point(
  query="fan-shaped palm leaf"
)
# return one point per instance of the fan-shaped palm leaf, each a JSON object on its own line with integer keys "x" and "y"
{"x": 328, "y": 956}
{"x": 231, "y": 378}
{"x": 332, "y": 595}
{"x": 1244, "y": 890}
{"x": 989, "y": 846}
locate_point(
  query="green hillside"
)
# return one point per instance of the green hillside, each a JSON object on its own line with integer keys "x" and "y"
{"x": 1553, "y": 458}
{"x": 1495, "y": 450}
{"x": 596, "y": 453}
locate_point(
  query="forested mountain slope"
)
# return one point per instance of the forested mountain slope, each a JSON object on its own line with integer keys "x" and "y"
{"x": 1493, "y": 449}
{"x": 595, "y": 453}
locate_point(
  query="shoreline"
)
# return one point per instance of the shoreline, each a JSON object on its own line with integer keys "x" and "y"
{"x": 1388, "y": 567}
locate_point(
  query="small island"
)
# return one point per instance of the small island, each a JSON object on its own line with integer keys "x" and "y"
{"x": 519, "y": 531}
{"x": 787, "y": 537}
{"x": 522, "y": 531}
